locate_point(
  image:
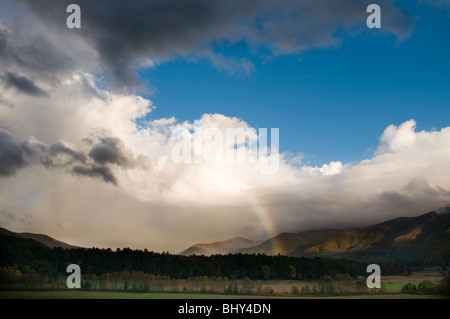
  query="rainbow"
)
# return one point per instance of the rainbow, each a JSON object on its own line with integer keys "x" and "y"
{"x": 268, "y": 225}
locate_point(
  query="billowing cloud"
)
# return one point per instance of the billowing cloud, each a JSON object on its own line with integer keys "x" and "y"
{"x": 127, "y": 183}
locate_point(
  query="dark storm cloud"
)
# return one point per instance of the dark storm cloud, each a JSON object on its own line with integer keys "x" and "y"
{"x": 97, "y": 172}
{"x": 408, "y": 196}
{"x": 111, "y": 150}
{"x": 59, "y": 148}
{"x": 57, "y": 155}
{"x": 15, "y": 154}
{"x": 396, "y": 199}
{"x": 126, "y": 32}
{"x": 34, "y": 148}
{"x": 12, "y": 156}
{"x": 5, "y": 51}
{"x": 24, "y": 48}
{"x": 22, "y": 84}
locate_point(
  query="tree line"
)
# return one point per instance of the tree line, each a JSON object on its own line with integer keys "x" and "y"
{"x": 28, "y": 256}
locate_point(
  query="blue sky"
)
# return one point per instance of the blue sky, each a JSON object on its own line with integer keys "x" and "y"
{"x": 330, "y": 103}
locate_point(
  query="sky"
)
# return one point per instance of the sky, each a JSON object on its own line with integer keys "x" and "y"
{"x": 87, "y": 117}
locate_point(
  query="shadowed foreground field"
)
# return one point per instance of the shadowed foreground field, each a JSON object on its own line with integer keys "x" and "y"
{"x": 131, "y": 295}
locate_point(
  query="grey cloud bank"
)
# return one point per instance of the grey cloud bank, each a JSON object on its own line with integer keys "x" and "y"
{"x": 15, "y": 154}
{"x": 12, "y": 156}
{"x": 23, "y": 84}
{"x": 130, "y": 34}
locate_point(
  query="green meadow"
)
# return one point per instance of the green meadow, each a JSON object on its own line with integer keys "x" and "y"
{"x": 396, "y": 287}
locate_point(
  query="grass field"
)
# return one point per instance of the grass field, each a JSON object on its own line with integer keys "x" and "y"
{"x": 130, "y": 295}
{"x": 279, "y": 288}
{"x": 396, "y": 287}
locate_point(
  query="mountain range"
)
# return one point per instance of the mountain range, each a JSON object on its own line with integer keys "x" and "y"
{"x": 40, "y": 238}
{"x": 414, "y": 241}
{"x": 420, "y": 240}
{"x": 220, "y": 248}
